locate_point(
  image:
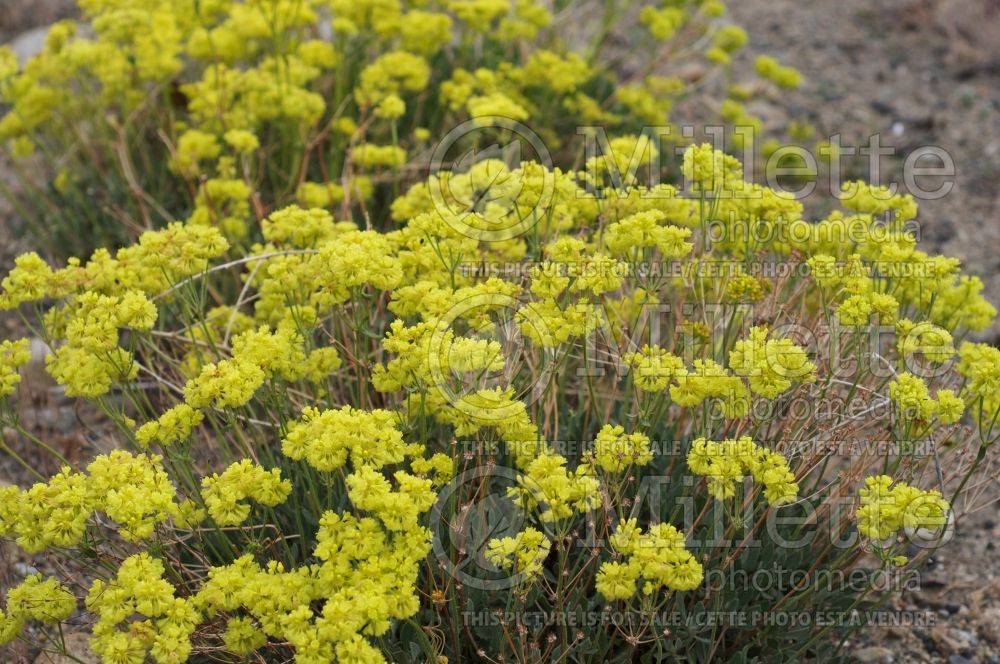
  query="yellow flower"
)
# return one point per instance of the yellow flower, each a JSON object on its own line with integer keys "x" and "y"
{"x": 12, "y": 355}
{"x": 911, "y": 395}
{"x": 772, "y": 365}
{"x": 523, "y": 554}
{"x": 654, "y": 368}
{"x": 783, "y": 77}
{"x": 615, "y": 452}
{"x": 224, "y": 493}
{"x": 726, "y": 463}
{"x": 616, "y": 581}
{"x": 887, "y": 508}
{"x": 657, "y": 557}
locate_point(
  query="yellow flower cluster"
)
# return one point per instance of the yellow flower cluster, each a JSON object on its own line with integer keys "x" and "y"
{"x": 931, "y": 341}
{"x": 772, "y": 70}
{"x": 657, "y": 558}
{"x": 257, "y": 356}
{"x": 643, "y": 229}
{"x": 350, "y": 81}
{"x": 91, "y": 361}
{"x": 726, "y": 463}
{"x": 708, "y": 169}
{"x": 27, "y": 282}
{"x": 980, "y": 364}
{"x": 615, "y": 451}
{"x": 139, "y": 615}
{"x": 523, "y": 554}
{"x": 709, "y": 380}
{"x": 105, "y": 295}
{"x": 555, "y": 492}
{"x": 888, "y": 508}
{"x": 36, "y": 598}
{"x": 772, "y": 365}
{"x": 871, "y": 268}
{"x": 327, "y": 439}
{"x": 133, "y": 490}
{"x": 224, "y": 493}
{"x": 365, "y": 578}
{"x": 12, "y": 355}
{"x": 173, "y": 426}
{"x": 654, "y": 368}
{"x": 912, "y": 397}
{"x": 395, "y": 323}
{"x": 429, "y": 353}
{"x": 873, "y": 199}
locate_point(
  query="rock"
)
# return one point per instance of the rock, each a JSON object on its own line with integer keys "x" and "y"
{"x": 23, "y": 569}
{"x": 874, "y": 655}
{"x": 964, "y": 638}
{"x": 945, "y": 640}
{"x": 39, "y": 350}
{"x": 989, "y": 624}
{"x": 884, "y": 108}
{"x": 30, "y": 43}
{"x": 959, "y": 659}
{"x": 896, "y": 632}
{"x": 78, "y": 647}
{"x": 692, "y": 71}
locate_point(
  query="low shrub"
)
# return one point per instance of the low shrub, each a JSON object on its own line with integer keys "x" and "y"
{"x": 553, "y": 416}
{"x": 221, "y": 111}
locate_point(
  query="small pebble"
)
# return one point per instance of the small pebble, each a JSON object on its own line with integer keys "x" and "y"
{"x": 874, "y": 655}
{"x": 24, "y": 569}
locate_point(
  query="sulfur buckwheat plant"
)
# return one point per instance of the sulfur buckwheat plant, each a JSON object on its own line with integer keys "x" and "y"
{"x": 574, "y": 420}
{"x": 224, "y": 111}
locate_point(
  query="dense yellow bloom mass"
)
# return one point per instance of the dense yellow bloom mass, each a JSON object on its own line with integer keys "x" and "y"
{"x": 654, "y": 368}
{"x": 12, "y": 355}
{"x": 139, "y": 615}
{"x": 522, "y": 554}
{"x": 615, "y": 451}
{"x": 911, "y": 394}
{"x": 726, "y": 463}
{"x": 772, "y": 365}
{"x": 327, "y": 439}
{"x": 888, "y": 507}
{"x": 555, "y": 491}
{"x": 224, "y": 493}
{"x": 980, "y": 364}
{"x": 133, "y": 490}
{"x": 174, "y": 426}
{"x": 322, "y": 401}
{"x": 657, "y": 559}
